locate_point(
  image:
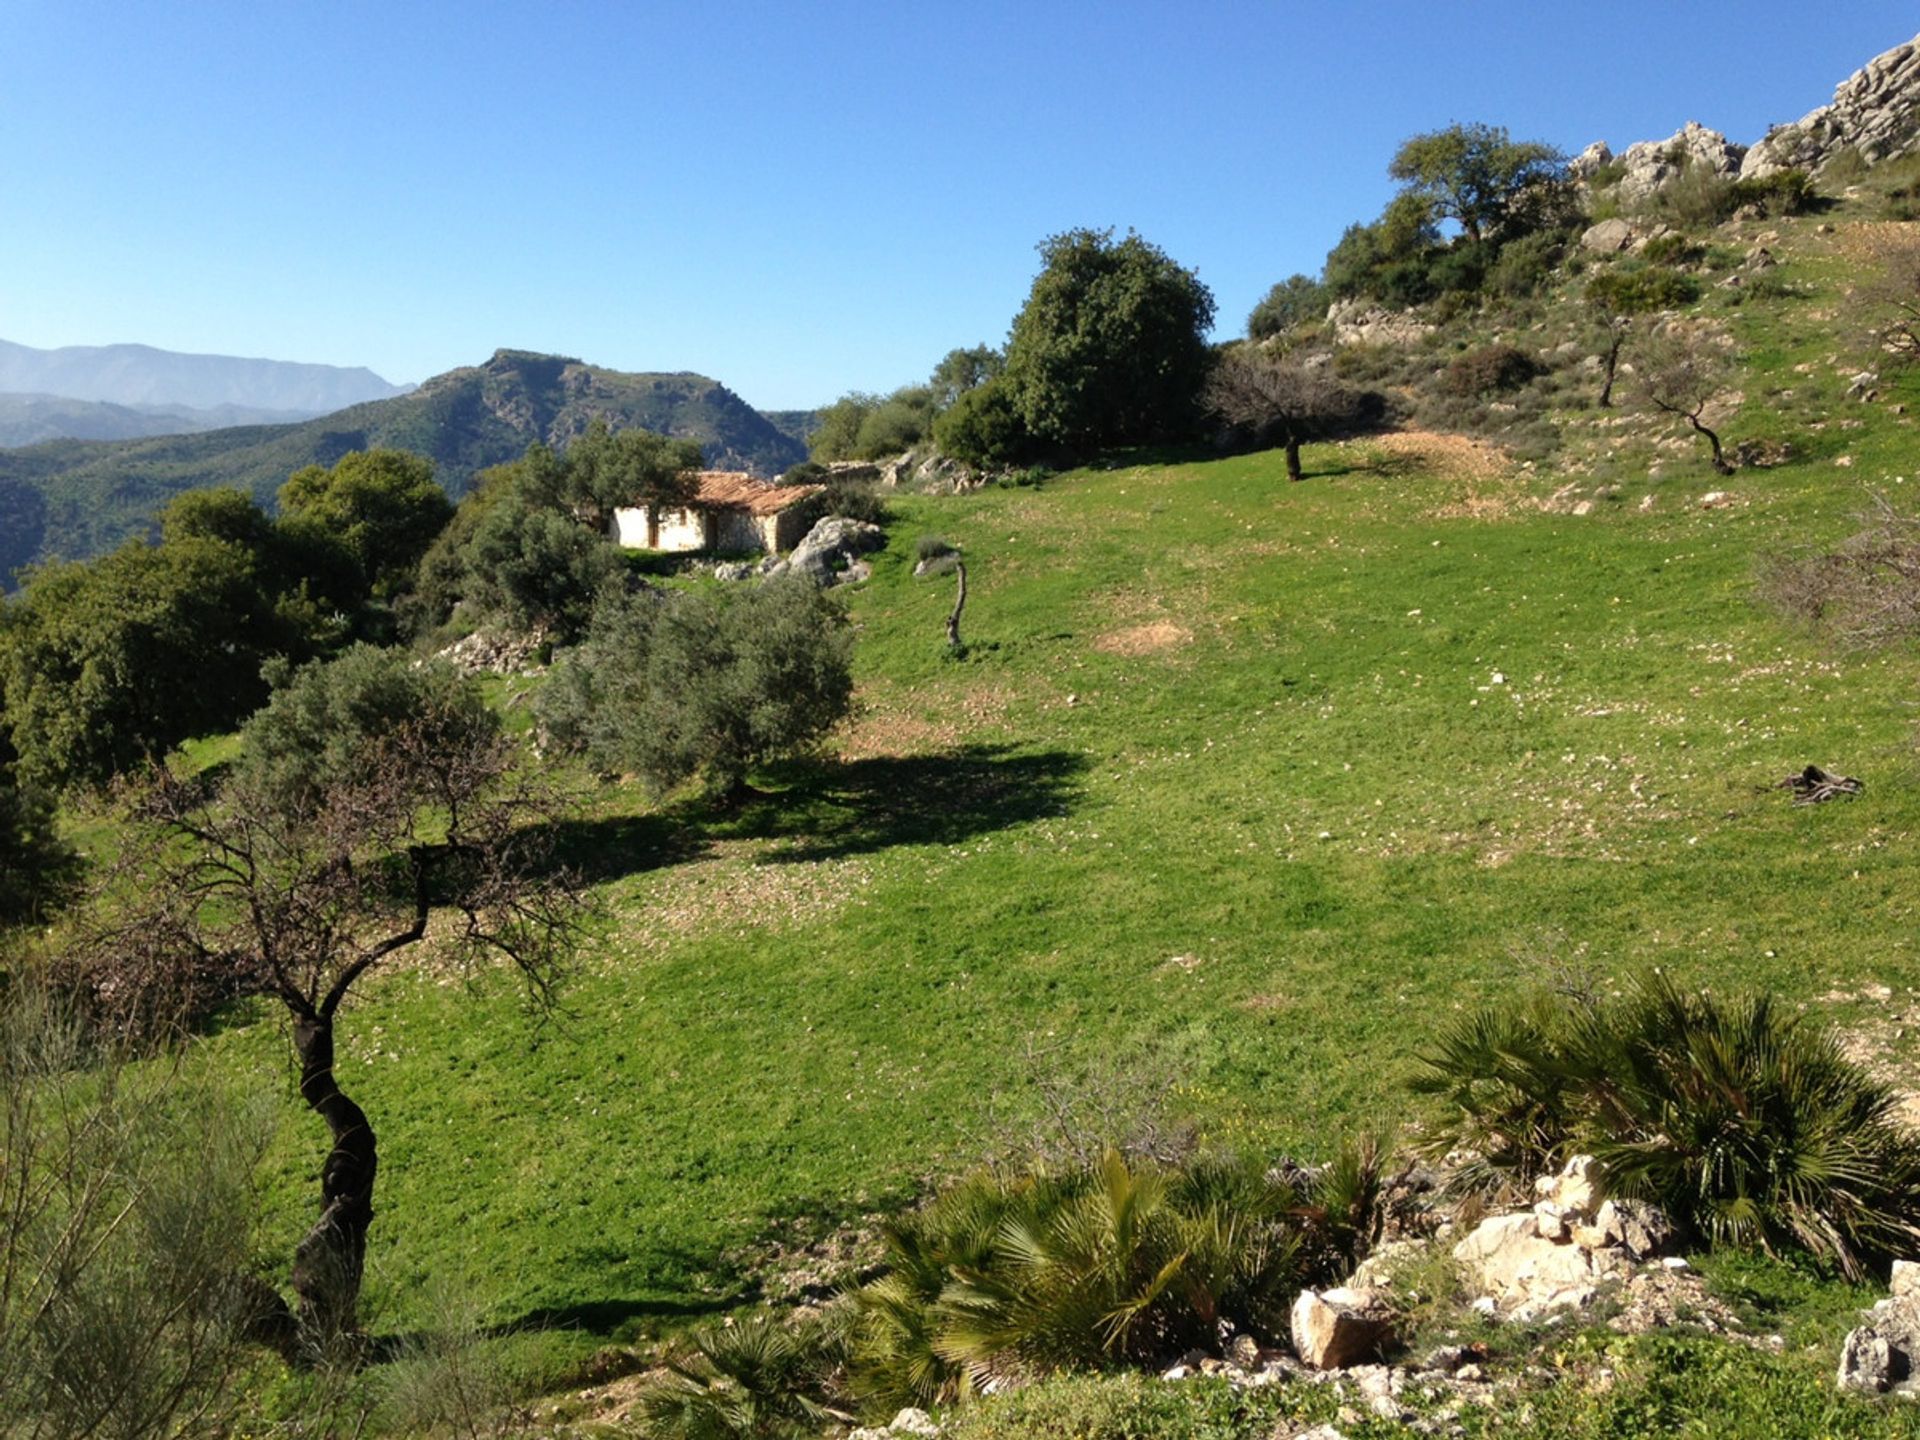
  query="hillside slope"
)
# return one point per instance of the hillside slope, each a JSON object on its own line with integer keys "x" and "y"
{"x": 74, "y": 498}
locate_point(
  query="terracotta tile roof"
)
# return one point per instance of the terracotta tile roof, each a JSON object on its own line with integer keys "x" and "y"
{"x": 737, "y": 490}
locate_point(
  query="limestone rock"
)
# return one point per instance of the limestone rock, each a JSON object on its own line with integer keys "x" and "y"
{"x": 489, "y": 652}
{"x": 1875, "y": 111}
{"x": 1526, "y": 1273}
{"x": 1653, "y": 163}
{"x": 1356, "y": 322}
{"x": 1595, "y": 157}
{"x": 1336, "y": 1328}
{"x": 830, "y": 549}
{"x": 1609, "y": 237}
{"x": 1905, "y": 1282}
{"x": 912, "y": 1422}
{"x": 1866, "y": 1362}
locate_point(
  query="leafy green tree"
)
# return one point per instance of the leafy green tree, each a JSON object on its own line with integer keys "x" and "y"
{"x": 1478, "y": 175}
{"x": 1387, "y": 258}
{"x": 707, "y": 682}
{"x": 382, "y": 508}
{"x": 1293, "y": 301}
{"x": 983, "y": 427}
{"x": 1110, "y": 347}
{"x": 837, "y": 436}
{"x": 962, "y": 370}
{"x": 108, "y": 664}
{"x": 539, "y": 569}
{"x": 37, "y": 866}
{"x": 604, "y": 471}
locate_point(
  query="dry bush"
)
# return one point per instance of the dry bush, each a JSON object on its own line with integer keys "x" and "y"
{"x": 1865, "y": 591}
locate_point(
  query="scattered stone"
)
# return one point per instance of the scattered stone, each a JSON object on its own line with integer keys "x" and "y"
{"x": 913, "y": 1422}
{"x": 489, "y": 652}
{"x": 1864, "y": 385}
{"x": 1333, "y": 1329}
{"x": 1715, "y": 500}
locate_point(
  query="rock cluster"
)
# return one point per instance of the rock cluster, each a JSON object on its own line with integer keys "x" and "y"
{"x": 1650, "y": 164}
{"x": 1556, "y": 1255}
{"x": 830, "y": 553}
{"x": 1360, "y": 322}
{"x": 489, "y": 652}
{"x": 1883, "y": 1356}
{"x": 1875, "y": 111}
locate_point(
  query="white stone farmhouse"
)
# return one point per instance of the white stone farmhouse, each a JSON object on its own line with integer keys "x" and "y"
{"x": 732, "y": 513}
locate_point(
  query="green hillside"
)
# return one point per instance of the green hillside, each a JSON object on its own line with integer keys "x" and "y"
{"x": 1241, "y": 789}
{"x": 77, "y": 498}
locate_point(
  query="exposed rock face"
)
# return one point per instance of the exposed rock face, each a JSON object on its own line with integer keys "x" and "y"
{"x": 1883, "y": 1355}
{"x": 831, "y": 551}
{"x": 1653, "y": 163}
{"x": 1876, "y": 110}
{"x": 1556, "y": 1255}
{"x": 1359, "y": 322}
{"x": 1336, "y": 1328}
{"x": 487, "y": 652}
{"x": 1596, "y": 156}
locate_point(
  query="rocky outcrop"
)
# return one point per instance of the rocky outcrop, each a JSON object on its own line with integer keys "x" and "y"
{"x": 1556, "y": 1255}
{"x": 491, "y": 652}
{"x": 830, "y": 553}
{"x": 1650, "y": 164}
{"x": 1875, "y": 111}
{"x": 1883, "y": 1356}
{"x": 1359, "y": 322}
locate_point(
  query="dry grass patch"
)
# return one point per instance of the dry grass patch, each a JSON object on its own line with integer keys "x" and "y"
{"x": 1145, "y": 639}
{"x": 741, "y": 886}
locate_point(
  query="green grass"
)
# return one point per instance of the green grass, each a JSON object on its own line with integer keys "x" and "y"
{"x": 1356, "y": 753}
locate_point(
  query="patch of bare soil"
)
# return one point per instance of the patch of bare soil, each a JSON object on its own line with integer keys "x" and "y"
{"x": 1144, "y": 639}
{"x": 1455, "y": 456}
{"x": 1877, "y": 239}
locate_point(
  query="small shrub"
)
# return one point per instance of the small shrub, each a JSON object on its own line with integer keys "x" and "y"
{"x": 1673, "y": 248}
{"x": 983, "y": 427}
{"x": 932, "y": 547}
{"x": 1492, "y": 369}
{"x": 1142, "y": 1407}
{"x": 855, "y": 499}
{"x": 760, "y": 1378}
{"x": 1866, "y": 591}
{"x": 1095, "y": 1265}
{"x": 1787, "y": 192}
{"x": 1740, "y": 1118}
{"x": 1695, "y": 199}
{"x": 1641, "y": 291}
{"x": 1526, "y": 265}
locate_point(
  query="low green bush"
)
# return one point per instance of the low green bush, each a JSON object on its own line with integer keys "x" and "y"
{"x": 1098, "y": 1265}
{"x": 1738, "y": 1116}
{"x": 1642, "y": 289}
{"x": 1786, "y": 192}
{"x": 1491, "y": 369}
{"x": 1673, "y": 248}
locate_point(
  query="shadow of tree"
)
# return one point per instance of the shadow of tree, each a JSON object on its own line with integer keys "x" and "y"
{"x": 611, "y": 847}
{"x": 862, "y": 806}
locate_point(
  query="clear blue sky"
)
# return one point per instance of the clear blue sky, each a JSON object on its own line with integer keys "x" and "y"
{"x": 796, "y": 199}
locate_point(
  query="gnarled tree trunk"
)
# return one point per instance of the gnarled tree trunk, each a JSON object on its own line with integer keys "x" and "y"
{"x": 959, "y": 604}
{"x": 329, "y": 1261}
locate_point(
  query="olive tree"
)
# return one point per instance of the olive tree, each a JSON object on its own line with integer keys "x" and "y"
{"x": 1480, "y": 176}
{"x": 374, "y": 801}
{"x": 704, "y": 682}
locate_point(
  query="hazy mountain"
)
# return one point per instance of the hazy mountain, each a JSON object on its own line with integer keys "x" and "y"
{"x": 142, "y": 375}
{"x": 798, "y": 424}
{"x": 76, "y": 498}
{"x": 30, "y": 419}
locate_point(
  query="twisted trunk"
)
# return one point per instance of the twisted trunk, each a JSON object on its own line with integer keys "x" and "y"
{"x": 328, "y": 1262}
{"x": 1294, "y": 472}
{"x": 959, "y": 604}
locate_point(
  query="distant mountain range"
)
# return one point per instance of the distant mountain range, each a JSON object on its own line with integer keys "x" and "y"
{"x": 76, "y": 498}
{"x": 140, "y": 375}
{"x": 30, "y": 419}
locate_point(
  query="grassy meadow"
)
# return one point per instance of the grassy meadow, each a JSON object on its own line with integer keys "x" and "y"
{"x": 1240, "y": 788}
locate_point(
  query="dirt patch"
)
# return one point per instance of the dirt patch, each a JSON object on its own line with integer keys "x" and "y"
{"x": 891, "y": 724}
{"x": 1454, "y": 456}
{"x": 735, "y": 888}
{"x": 1144, "y": 639}
{"x": 1877, "y": 239}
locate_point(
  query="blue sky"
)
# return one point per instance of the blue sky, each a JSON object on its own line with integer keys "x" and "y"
{"x": 797, "y": 200}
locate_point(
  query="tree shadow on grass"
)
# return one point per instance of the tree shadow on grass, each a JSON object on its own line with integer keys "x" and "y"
{"x": 611, "y": 847}
{"x": 862, "y": 806}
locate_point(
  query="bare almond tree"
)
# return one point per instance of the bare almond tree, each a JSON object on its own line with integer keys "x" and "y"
{"x": 1285, "y": 400}
{"x": 251, "y": 887}
{"x": 1681, "y": 370}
